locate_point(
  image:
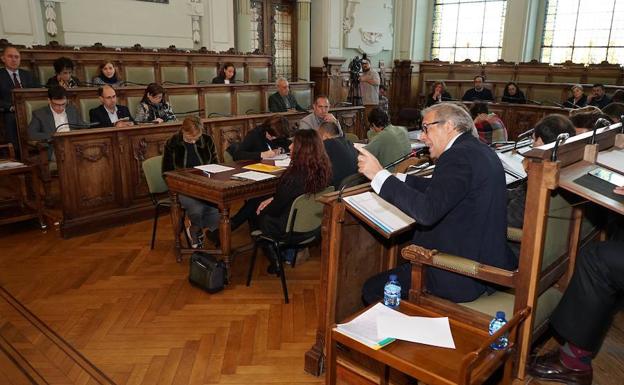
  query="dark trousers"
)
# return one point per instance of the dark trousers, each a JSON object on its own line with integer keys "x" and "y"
{"x": 10, "y": 131}
{"x": 584, "y": 314}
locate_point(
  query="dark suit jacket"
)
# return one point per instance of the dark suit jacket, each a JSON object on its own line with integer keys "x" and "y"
{"x": 256, "y": 142}
{"x": 99, "y": 114}
{"x": 6, "y": 86}
{"x": 343, "y": 158}
{"x": 461, "y": 210}
{"x": 221, "y": 80}
{"x": 276, "y": 103}
{"x": 473, "y": 95}
{"x": 42, "y": 126}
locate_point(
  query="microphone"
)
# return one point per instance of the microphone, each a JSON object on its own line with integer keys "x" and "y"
{"x": 212, "y": 114}
{"x": 190, "y": 112}
{"x": 404, "y": 157}
{"x": 343, "y": 104}
{"x": 238, "y": 81}
{"x": 296, "y": 79}
{"x": 523, "y": 135}
{"x": 79, "y": 125}
{"x": 447, "y": 99}
{"x": 252, "y": 111}
{"x": 559, "y": 104}
{"x": 129, "y": 83}
{"x": 600, "y": 122}
{"x": 561, "y": 138}
{"x": 175, "y": 83}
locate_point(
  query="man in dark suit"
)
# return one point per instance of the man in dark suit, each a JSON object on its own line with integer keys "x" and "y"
{"x": 283, "y": 100}
{"x": 460, "y": 210}
{"x": 11, "y": 76}
{"x": 58, "y": 116}
{"x": 342, "y": 154}
{"x": 479, "y": 92}
{"x": 110, "y": 114}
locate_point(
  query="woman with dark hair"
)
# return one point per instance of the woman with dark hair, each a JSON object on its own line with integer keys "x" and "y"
{"x": 64, "y": 70}
{"x": 227, "y": 75}
{"x": 309, "y": 173}
{"x": 106, "y": 74}
{"x": 265, "y": 141}
{"x": 438, "y": 94}
{"x": 188, "y": 148}
{"x": 154, "y": 107}
{"x": 512, "y": 94}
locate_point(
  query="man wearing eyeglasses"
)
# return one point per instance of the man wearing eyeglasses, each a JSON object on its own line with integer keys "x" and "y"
{"x": 57, "y": 116}
{"x": 460, "y": 210}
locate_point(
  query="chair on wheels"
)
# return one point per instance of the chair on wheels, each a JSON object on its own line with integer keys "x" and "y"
{"x": 152, "y": 168}
{"x": 302, "y": 229}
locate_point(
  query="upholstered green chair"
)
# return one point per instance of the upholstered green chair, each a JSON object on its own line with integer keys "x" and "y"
{"x": 248, "y": 102}
{"x": 218, "y": 103}
{"x": 302, "y": 229}
{"x": 258, "y": 75}
{"x": 183, "y": 104}
{"x": 204, "y": 74}
{"x": 174, "y": 74}
{"x": 44, "y": 73}
{"x": 140, "y": 74}
{"x": 86, "y": 105}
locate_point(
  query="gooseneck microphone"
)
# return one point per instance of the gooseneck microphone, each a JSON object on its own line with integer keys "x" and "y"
{"x": 410, "y": 154}
{"x": 600, "y": 122}
{"x": 561, "y": 138}
{"x": 523, "y": 135}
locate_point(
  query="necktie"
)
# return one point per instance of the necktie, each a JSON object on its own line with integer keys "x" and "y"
{"x": 16, "y": 81}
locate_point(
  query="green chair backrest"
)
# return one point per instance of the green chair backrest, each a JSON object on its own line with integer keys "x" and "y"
{"x": 219, "y": 102}
{"x": 258, "y": 75}
{"x": 248, "y": 101}
{"x": 45, "y": 72}
{"x": 205, "y": 74}
{"x": 303, "y": 97}
{"x": 90, "y": 72}
{"x": 32, "y": 105}
{"x": 142, "y": 75}
{"x": 309, "y": 212}
{"x": 132, "y": 103}
{"x": 152, "y": 168}
{"x": 176, "y": 74}
{"x": 184, "y": 103}
{"x": 87, "y": 104}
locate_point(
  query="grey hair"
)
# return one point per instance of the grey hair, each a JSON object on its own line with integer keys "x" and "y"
{"x": 453, "y": 113}
{"x": 281, "y": 79}
{"x": 580, "y": 87}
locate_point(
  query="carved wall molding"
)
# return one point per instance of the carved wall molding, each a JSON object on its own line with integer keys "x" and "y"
{"x": 369, "y": 27}
{"x": 81, "y": 151}
{"x": 196, "y": 11}
{"x": 371, "y": 37}
{"x": 50, "y": 16}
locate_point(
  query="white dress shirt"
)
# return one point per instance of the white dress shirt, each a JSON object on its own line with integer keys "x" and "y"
{"x": 112, "y": 115}
{"x": 60, "y": 119}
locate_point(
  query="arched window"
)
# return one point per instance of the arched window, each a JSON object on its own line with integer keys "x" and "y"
{"x": 583, "y": 31}
{"x": 468, "y": 29}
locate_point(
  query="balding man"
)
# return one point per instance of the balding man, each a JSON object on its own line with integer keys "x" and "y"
{"x": 283, "y": 100}
{"x": 320, "y": 114}
{"x": 460, "y": 210}
{"x": 11, "y": 76}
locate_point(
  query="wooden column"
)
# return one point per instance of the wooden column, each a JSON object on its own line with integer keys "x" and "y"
{"x": 401, "y": 88}
{"x": 328, "y": 79}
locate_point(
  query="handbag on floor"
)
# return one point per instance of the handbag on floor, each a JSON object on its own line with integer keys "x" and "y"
{"x": 206, "y": 272}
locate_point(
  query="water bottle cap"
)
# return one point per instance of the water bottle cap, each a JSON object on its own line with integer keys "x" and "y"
{"x": 392, "y": 277}
{"x": 500, "y": 314}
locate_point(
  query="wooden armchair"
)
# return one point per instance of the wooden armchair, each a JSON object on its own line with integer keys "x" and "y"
{"x": 549, "y": 243}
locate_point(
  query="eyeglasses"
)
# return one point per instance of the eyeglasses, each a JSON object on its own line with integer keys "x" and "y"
{"x": 58, "y": 105}
{"x": 425, "y": 126}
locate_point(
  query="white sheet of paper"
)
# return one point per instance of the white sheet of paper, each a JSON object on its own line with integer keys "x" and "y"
{"x": 385, "y": 215}
{"x": 283, "y": 162}
{"x": 253, "y": 175}
{"x": 214, "y": 168}
{"x": 359, "y": 145}
{"x": 364, "y": 327}
{"x": 10, "y": 164}
{"x": 278, "y": 157}
{"x": 424, "y": 330}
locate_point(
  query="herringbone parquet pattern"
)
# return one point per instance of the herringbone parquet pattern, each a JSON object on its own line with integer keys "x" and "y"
{"x": 131, "y": 311}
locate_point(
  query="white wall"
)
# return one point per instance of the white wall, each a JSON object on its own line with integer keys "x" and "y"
{"x": 121, "y": 23}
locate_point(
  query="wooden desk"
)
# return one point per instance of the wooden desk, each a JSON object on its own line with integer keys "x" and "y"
{"x": 567, "y": 179}
{"x": 471, "y": 362}
{"x": 218, "y": 189}
{"x": 28, "y": 208}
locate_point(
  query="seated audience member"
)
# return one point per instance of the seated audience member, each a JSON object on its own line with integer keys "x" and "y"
{"x": 384, "y": 103}
{"x": 110, "y": 114}
{"x": 479, "y": 92}
{"x": 107, "y": 74}
{"x": 618, "y": 96}
{"x": 513, "y": 94}
{"x": 489, "y": 126}
{"x": 320, "y": 113}
{"x": 153, "y": 107}
{"x": 598, "y": 97}
{"x": 614, "y": 111}
{"x": 309, "y": 173}
{"x": 391, "y": 142}
{"x": 584, "y": 314}
{"x": 64, "y": 70}
{"x": 342, "y": 154}
{"x": 578, "y": 98}
{"x": 266, "y": 140}
{"x": 465, "y": 195}
{"x": 283, "y": 100}
{"x": 57, "y": 116}
{"x": 11, "y": 76}
{"x": 438, "y": 94}
{"x": 188, "y": 148}
{"x": 227, "y": 75}
{"x": 546, "y": 131}
{"x": 585, "y": 122}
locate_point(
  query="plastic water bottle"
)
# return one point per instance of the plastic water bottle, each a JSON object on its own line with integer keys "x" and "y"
{"x": 392, "y": 292}
{"x": 498, "y": 322}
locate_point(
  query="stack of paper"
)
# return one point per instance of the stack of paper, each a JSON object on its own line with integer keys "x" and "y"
{"x": 283, "y": 162}
{"x": 512, "y": 164}
{"x": 380, "y": 325}
{"x": 278, "y": 157}
{"x": 383, "y": 214}
{"x": 252, "y": 175}
{"x": 214, "y": 168}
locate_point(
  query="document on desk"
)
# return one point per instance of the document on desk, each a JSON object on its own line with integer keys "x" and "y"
{"x": 283, "y": 162}
{"x": 214, "y": 168}
{"x": 262, "y": 167}
{"x": 383, "y": 214}
{"x": 253, "y": 175}
{"x": 512, "y": 164}
{"x": 278, "y": 157}
{"x": 363, "y": 328}
{"x": 423, "y": 330}
{"x": 613, "y": 159}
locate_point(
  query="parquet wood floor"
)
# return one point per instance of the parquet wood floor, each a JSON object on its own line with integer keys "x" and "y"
{"x": 131, "y": 312}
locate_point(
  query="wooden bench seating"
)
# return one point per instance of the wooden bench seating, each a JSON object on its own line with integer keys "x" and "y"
{"x": 211, "y": 99}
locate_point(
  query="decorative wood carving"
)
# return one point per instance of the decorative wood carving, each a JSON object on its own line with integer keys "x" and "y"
{"x": 82, "y": 153}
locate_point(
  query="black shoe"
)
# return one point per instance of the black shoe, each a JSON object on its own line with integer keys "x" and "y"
{"x": 273, "y": 269}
